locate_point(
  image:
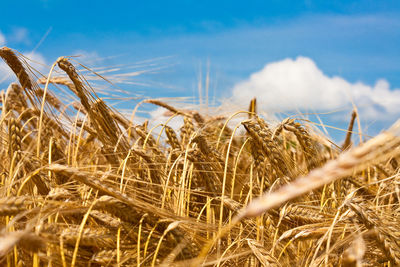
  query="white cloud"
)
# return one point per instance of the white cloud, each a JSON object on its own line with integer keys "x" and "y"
{"x": 88, "y": 57}
{"x": 5, "y": 73}
{"x": 289, "y": 85}
{"x": 19, "y": 35}
{"x": 161, "y": 116}
{"x": 37, "y": 61}
{"x": 2, "y": 39}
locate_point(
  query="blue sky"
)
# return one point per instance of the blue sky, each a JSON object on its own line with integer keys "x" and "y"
{"x": 357, "y": 41}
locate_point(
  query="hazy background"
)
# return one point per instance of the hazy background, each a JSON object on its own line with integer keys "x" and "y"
{"x": 294, "y": 56}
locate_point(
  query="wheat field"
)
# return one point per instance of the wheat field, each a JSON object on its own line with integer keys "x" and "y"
{"x": 83, "y": 185}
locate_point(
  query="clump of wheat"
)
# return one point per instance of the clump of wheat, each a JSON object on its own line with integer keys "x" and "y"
{"x": 82, "y": 185}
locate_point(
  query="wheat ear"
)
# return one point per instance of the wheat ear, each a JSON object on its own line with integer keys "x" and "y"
{"x": 380, "y": 148}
